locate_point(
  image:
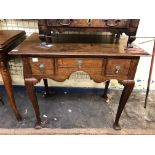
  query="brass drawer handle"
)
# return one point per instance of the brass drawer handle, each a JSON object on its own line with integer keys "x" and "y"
{"x": 42, "y": 68}
{"x": 112, "y": 22}
{"x": 64, "y": 22}
{"x": 117, "y": 67}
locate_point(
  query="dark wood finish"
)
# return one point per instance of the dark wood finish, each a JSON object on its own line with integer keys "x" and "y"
{"x": 102, "y": 62}
{"x": 43, "y": 66}
{"x": 128, "y": 87}
{"x": 47, "y": 92}
{"x": 150, "y": 75}
{"x": 9, "y": 39}
{"x": 9, "y": 90}
{"x": 46, "y": 87}
{"x": 105, "y": 96}
{"x": 71, "y": 50}
{"x": 29, "y": 83}
{"x": 115, "y": 26}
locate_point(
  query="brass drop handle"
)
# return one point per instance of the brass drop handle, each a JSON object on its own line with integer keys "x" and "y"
{"x": 112, "y": 22}
{"x": 42, "y": 67}
{"x": 64, "y": 22}
{"x": 117, "y": 67}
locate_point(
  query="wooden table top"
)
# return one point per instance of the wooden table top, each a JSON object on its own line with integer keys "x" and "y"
{"x": 9, "y": 36}
{"x": 32, "y": 47}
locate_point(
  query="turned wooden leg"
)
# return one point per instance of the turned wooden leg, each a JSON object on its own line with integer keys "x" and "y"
{"x": 128, "y": 87}
{"x": 29, "y": 83}
{"x": 9, "y": 90}
{"x": 106, "y": 91}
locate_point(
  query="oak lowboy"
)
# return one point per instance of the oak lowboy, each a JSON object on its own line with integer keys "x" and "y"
{"x": 102, "y": 61}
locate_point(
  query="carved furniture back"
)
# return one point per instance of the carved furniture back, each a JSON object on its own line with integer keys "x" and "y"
{"x": 48, "y": 27}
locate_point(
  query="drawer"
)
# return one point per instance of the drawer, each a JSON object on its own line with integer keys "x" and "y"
{"x": 80, "y": 62}
{"x": 118, "y": 23}
{"x": 41, "y": 66}
{"x": 68, "y": 22}
{"x": 117, "y": 67}
{"x": 121, "y": 23}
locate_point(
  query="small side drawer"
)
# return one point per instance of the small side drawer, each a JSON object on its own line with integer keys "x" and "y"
{"x": 117, "y": 67}
{"x": 80, "y": 62}
{"x": 41, "y": 66}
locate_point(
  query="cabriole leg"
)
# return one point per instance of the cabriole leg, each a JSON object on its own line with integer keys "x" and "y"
{"x": 29, "y": 83}
{"x": 128, "y": 87}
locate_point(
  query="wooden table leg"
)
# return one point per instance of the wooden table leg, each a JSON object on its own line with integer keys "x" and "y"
{"x": 29, "y": 83}
{"x": 9, "y": 90}
{"x": 1, "y": 100}
{"x": 128, "y": 87}
{"x": 106, "y": 91}
{"x": 46, "y": 87}
{"x": 47, "y": 93}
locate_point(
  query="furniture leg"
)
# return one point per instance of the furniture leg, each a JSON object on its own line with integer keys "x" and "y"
{"x": 9, "y": 90}
{"x": 47, "y": 93}
{"x": 128, "y": 87}
{"x": 29, "y": 83}
{"x": 1, "y": 100}
{"x": 130, "y": 40}
{"x": 46, "y": 87}
{"x": 106, "y": 91}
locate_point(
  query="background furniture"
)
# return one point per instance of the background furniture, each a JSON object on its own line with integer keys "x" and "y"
{"x": 49, "y": 27}
{"x": 9, "y": 39}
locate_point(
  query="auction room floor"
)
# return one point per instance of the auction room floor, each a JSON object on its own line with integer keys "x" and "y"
{"x": 79, "y": 110}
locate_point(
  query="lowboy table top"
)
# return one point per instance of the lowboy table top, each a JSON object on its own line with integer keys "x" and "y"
{"x": 32, "y": 47}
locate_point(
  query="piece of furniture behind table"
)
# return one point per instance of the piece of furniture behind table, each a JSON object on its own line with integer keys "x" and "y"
{"x": 49, "y": 27}
{"x": 9, "y": 39}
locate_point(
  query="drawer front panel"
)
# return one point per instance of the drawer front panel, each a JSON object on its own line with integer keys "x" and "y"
{"x": 123, "y": 23}
{"x": 91, "y": 66}
{"x": 111, "y": 23}
{"x": 67, "y": 22}
{"x": 117, "y": 67}
{"x": 80, "y": 62}
{"x": 42, "y": 66}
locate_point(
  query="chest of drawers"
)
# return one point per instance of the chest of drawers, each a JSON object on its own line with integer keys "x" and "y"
{"x": 49, "y": 27}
